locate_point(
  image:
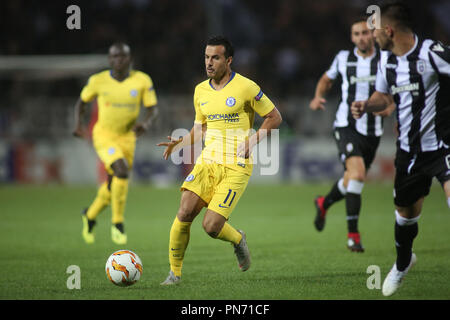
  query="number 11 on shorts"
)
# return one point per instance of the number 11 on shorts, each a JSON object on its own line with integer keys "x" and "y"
{"x": 228, "y": 197}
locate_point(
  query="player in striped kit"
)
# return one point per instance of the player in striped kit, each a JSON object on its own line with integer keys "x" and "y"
{"x": 416, "y": 73}
{"x": 357, "y": 140}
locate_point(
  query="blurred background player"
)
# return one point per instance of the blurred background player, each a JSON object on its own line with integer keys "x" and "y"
{"x": 120, "y": 92}
{"x": 416, "y": 73}
{"x": 357, "y": 140}
{"x": 225, "y": 106}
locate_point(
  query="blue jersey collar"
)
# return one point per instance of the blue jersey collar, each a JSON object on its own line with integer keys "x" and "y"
{"x": 110, "y": 73}
{"x": 231, "y": 78}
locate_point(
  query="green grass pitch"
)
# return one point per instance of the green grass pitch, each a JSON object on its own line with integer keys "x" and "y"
{"x": 40, "y": 236}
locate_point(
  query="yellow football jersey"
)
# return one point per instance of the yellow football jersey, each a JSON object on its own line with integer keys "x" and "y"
{"x": 119, "y": 102}
{"x": 229, "y": 114}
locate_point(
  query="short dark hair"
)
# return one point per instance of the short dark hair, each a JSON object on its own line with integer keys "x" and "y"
{"x": 221, "y": 40}
{"x": 358, "y": 19}
{"x": 397, "y": 12}
{"x": 121, "y": 45}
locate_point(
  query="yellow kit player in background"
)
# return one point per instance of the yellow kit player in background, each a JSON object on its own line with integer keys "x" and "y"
{"x": 120, "y": 92}
{"x": 225, "y": 106}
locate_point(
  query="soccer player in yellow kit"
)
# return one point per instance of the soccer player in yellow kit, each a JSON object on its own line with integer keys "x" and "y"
{"x": 225, "y": 106}
{"x": 120, "y": 92}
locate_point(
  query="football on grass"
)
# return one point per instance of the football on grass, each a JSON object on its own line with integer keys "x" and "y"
{"x": 124, "y": 268}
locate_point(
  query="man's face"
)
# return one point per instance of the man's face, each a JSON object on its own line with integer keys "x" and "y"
{"x": 382, "y": 37}
{"x": 119, "y": 58}
{"x": 215, "y": 62}
{"x": 362, "y": 36}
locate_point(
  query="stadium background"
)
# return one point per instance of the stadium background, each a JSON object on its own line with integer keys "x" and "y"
{"x": 284, "y": 46}
{"x": 47, "y": 176}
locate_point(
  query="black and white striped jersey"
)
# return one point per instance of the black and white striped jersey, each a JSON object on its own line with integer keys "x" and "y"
{"x": 419, "y": 83}
{"x": 358, "y": 83}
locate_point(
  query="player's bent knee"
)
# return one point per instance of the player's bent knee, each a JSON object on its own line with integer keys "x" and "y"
{"x": 213, "y": 234}
{"x": 357, "y": 175}
{"x": 121, "y": 174}
{"x": 356, "y": 169}
{"x": 411, "y": 211}
{"x": 185, "y": 214}
{"x": 120, "y": 169}
{"x": 212, "y": 225}
{"x": 212, "y": 229}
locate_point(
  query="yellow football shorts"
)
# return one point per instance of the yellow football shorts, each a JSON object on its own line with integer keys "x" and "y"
{"x": 220, "y": 187}
{"x": 111, "y": 147}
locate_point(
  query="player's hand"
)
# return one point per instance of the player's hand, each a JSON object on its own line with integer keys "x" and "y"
{"x": 140, "y": 129}
{"x": 245, "y": 148}
{"x": 170, "y": 145}
{"x": 358, "y": 108}
{"x": 79, "y": 133}
{"x": 317, "y": 103}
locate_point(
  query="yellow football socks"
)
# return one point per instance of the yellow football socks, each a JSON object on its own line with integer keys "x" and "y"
{"x": 228, "y": 233}
{"x": 100, "y": 202}
{"x": 119, "y": 192}
{"x": 179, "y": 239}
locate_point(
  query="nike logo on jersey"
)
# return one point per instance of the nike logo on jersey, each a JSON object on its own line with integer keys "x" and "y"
{"x": 203, "y": 103}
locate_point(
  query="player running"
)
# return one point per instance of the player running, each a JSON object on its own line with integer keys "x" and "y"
{"x": 120, "y": 92}
{"x": 225, "y": 106}
{"x": 416, "y": 72}
{"x": 357, "y": 140}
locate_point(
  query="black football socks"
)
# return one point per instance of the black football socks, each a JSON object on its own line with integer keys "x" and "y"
{"x": 404, "y": 237}
{"x": 333, "y": 196}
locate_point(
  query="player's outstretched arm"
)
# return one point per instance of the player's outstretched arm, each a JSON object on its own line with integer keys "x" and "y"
{"x": 323, "y": 86}
{"x": 80, "y": 109}
{"x": 272, "y": 120}
{"x": 192, "y": 137}
{"x": 378, "y": 102}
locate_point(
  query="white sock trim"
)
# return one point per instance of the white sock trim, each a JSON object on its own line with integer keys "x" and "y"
{"x": 448, "y": 202}
{"x": 355, "y": 186}
{"x": 402, "y": 221}
{"x": 341, "y": 186}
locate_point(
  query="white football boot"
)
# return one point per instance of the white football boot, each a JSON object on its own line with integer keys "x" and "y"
{"x": 394, "y": 278}
{"x": 242, "y": 253}
{"x": 171, "y": 279}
